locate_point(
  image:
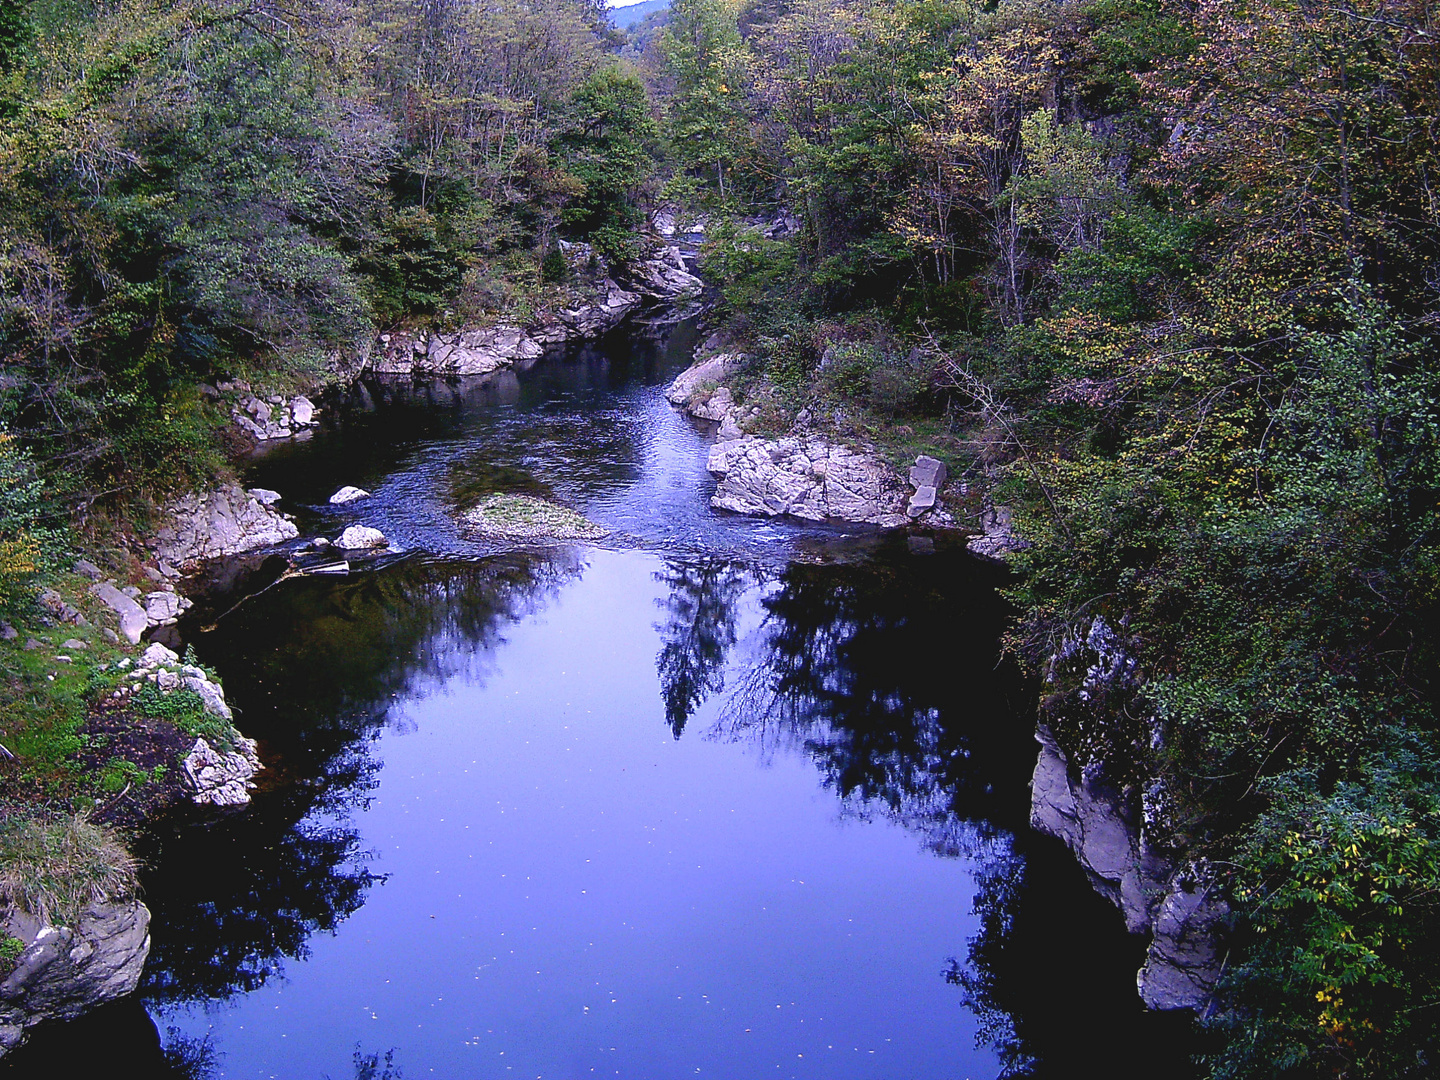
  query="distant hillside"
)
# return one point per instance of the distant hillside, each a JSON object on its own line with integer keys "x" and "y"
{"x": 628, "y": 17}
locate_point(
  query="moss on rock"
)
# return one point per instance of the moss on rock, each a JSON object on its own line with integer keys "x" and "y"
{"x": 523, "y": 517}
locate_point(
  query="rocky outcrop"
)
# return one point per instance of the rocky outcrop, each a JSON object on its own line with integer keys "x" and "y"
{"x": 214, "y": 524}
{"x": 665, "y": 277}
{"x": 806, "y": 477}
{"x": 694, "y": 386}
{"x": 480, "y": 351}
{"x": 273, "y": 417}
{"x": 213, "y": 776}
{"x": 219, "y": 777}
{"x": 997, "y": 538}
{"x": 803, "y": 475}
{"x": 469, "y": 352}
{"x": 611, "y": 306}
{"x": 65, "y": 971}
{"x": 1122, "y": 842}
{"x": 1182, "y": 908}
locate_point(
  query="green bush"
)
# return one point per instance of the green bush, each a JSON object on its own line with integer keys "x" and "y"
{"x": 27, "y": 548}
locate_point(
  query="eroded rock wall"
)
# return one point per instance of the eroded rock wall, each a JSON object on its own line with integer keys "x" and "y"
{"x": 1121, "y": 836}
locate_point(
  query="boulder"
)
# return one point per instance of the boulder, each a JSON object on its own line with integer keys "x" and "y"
{"x": 133, "y": 619}
{"x": 275, "y": 418}
{"x": 709, "y": 372}
{"x": 806, "y": 477}
{"x": 348, "y": 494}
{"x": 264, "y": 496}
{"x": 357, "y": 537}
{"x": 66, "y": 971}
{"x": 163, "y": 608}
{"x": 926, "y": 475}
{"x": 223, "y": 522}
{"x": 220, "y": 778}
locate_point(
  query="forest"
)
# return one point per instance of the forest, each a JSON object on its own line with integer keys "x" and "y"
{"x": 1161, "y": 276}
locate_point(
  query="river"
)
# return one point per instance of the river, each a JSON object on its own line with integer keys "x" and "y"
{"x": 719, "y": 797}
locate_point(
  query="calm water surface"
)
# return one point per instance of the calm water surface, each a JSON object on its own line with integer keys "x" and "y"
{"x": 719, "y": 797}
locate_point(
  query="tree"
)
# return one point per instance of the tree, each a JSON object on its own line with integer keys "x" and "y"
{"x": 608, "y": 144}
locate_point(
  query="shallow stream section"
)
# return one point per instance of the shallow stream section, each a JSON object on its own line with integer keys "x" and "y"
{"x": 718, "y": 797}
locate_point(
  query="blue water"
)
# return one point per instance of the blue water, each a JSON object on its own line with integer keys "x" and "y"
{"x": 572, "y": 891}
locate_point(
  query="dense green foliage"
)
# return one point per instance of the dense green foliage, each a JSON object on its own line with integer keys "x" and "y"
{"x": 197, "y": 190}
{"x": 1168, "y": 271}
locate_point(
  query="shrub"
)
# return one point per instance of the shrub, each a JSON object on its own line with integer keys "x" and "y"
{"x": 25, "y": 548}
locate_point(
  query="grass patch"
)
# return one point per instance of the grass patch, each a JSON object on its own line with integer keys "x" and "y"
{"x": 52, "y": 868}
{"x": 186, "y": 710}
{"x": 521, "y": 517}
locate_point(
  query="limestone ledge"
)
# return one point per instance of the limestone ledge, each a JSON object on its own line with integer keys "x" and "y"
{"x": 804, "y": 474}
{"x": 1177, "y": 900}
{"x": 214, "y": 524}
{"x": 66, "y": 971}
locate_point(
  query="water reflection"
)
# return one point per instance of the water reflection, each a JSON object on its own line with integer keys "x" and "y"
{"x": 882, "y": 675}
{"x": 885, "y": 674}
{"x": 701, "y": 612}
{"x": 337, "y": 655}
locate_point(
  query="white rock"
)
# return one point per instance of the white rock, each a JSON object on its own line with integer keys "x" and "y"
{"x": 302, "y": 411}
{"x": 133, "y": 620}
{"x": 163, "y": 608}
{"x": 807, "y": 478}
{"x": 223, "y": 522}
{"x": 714, "y": 370}
{"x": 362, "y": 536}
{"x": 157, "y": 655}
{"x": 348, "y": 494}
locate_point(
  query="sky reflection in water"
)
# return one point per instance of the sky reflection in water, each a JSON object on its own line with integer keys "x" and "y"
{"x": 569, "y": 888}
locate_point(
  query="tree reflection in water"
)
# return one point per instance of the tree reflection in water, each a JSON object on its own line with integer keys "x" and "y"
{"x": 888, "y": 675}
{"x": 698, "y": 633}
{"x": 343, "y": 650}
{"x": 883, "y": 673}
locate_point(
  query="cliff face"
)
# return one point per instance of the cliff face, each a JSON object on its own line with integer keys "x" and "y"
{"x": 66, "y": 971}
{"x": 1121, "y": 838}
